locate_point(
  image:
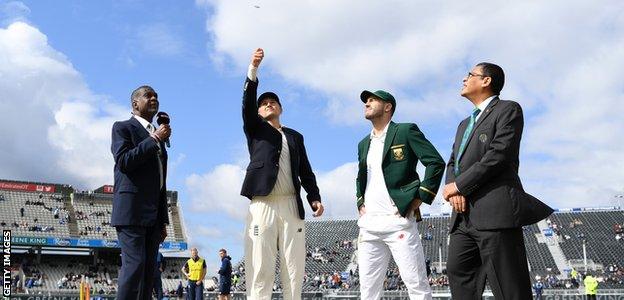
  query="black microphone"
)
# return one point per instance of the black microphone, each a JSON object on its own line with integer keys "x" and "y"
{"x": 163, "y": 118}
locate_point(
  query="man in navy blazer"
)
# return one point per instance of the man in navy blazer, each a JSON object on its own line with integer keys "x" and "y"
{"x": 277, "y": 170}
{"x": 140, "y": 199}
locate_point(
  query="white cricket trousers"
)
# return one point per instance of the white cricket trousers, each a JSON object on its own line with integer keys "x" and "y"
{"x": 273, "y": 223}
{"x": 374, "y": 249}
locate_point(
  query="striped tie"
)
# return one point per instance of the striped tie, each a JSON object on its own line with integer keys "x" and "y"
{"x": 465, "y": 137}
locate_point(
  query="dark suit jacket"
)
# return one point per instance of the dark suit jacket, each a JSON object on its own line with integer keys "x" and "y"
{"x": 489, "y": 171}
{"x": 265, "y": 144}
{"x": 138, "y": 199}
{"x": 404, "y": 146}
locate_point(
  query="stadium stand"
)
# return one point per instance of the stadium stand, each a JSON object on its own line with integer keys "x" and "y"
{"x": 326, "y": 239}
{"x": 57, "y": 211}
{"x": 32, "y": 213}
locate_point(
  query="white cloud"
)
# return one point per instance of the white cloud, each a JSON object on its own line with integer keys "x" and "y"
{"x": 54, "y": 128}
{"x": 218, "y": 191}
{"x": 563, "y": 61}
{"x": 416, "y": 49}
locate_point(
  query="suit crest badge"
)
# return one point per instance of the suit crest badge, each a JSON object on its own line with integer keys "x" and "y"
{"x": 397, "y": 153}
{"x": 483, "y": 137}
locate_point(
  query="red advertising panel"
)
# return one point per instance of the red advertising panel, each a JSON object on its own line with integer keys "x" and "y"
{"x": 107, "y": 189}
{"x": 26, "y": 187}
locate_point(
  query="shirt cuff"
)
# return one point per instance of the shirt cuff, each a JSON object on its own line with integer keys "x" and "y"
{"x": 458, "y": 191}
{"x": 252, "y": 72}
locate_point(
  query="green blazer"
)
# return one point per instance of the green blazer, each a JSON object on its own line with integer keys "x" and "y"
{"x": 404, "y": 146}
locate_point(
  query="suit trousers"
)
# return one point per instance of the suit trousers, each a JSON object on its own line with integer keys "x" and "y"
{"x": 139, "y": 248}
{"x": 496, "y": 255}
{"x": 273, "y": 224}
{"x": 158, "y": 289}
{"x": 195, "y": 290}
{"x": 374, "y": 250}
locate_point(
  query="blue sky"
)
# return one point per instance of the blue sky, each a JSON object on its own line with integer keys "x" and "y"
{"x": 67, "y": 69}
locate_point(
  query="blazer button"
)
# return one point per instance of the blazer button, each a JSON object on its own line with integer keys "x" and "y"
{"x": 277, "y": 165}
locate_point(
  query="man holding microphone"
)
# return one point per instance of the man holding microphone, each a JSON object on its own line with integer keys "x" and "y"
{"x": 140, "y": 200}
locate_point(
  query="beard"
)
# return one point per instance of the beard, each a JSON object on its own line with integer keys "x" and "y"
{"x": 373, "y": 114}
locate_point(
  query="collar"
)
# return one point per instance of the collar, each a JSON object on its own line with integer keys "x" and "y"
{"x": 143, "y": 122}
{"x": 383, "y": 132}
{"x": 486, "y": 102}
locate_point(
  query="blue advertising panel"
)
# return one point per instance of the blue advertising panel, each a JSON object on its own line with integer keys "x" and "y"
{"x": 85, "y": 243}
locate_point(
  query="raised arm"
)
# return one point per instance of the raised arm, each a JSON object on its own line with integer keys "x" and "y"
{"x": 251, "y": 120}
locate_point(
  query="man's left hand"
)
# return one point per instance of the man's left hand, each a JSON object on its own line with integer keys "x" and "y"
{"x": 415, "y": 204}
{"x": 450, "y": 190}
{"x": 459, "y": 203}
{"x": 318, "y": 208}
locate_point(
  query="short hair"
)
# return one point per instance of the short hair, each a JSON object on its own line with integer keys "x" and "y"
{"x": 137, "y": 92}
{"x": 496, "y": 73}
{"x": 222, "y": 250}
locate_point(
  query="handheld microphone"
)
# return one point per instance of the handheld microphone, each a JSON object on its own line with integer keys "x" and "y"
{"x": 163, "y": 118}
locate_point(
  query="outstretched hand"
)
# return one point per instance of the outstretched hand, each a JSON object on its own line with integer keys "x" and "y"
{"x": 257, "y": 57}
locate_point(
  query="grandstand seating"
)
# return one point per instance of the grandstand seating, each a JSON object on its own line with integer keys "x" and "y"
{"x": 331, "y": 245}
{"x": 596, "y": 228}
{"x": 326, "y": 235}
{"x": 36, "y": 205}
{"x": 93, "y": 211}
{"x": 540, "y": 259}
{"x": 68, "y": 214}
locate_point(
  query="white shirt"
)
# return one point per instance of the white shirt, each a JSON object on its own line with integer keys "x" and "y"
{"x": 381, "y": 213}
{"x": 378, "y": 200}
{"x": 151, "y": 129}
{"x": 484, "y": 105}
{"x": 252, "y": 72}
{"x": 284, "y": 184}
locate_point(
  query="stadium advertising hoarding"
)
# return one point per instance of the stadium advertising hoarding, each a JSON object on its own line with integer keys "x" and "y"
{"x": 59, "y": 296}
{"x": 27, "y": 187}
{"x": 86, "y": 243}
{"x": 107, "y": 189}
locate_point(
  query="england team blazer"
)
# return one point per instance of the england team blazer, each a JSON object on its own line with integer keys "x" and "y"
{"x": 489, "y": 171}
{"x": 265, "y": 145}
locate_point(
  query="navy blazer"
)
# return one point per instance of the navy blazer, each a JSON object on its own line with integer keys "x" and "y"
{"x": 489, "y": 171}
{"x": 265, "y": 144}
{"x": 138, "y": 199}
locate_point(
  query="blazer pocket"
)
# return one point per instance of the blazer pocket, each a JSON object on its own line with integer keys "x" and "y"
{"x": 128, "y": 189}
{"x": 410, "y": 186}
{"x": 255, "y": 165}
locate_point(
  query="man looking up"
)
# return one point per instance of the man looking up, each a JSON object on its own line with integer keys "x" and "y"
{"x": 278, "y": 168}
